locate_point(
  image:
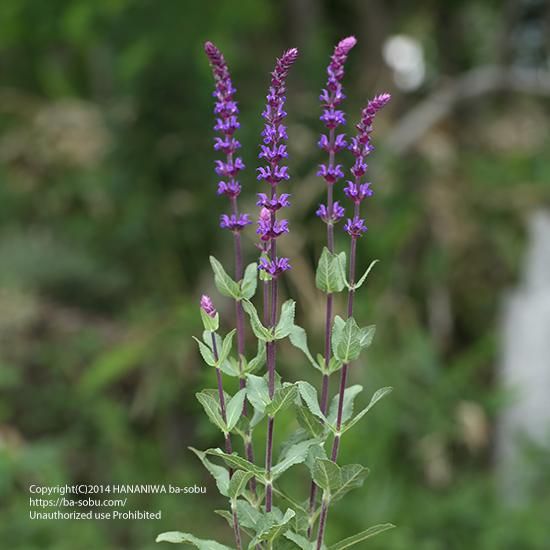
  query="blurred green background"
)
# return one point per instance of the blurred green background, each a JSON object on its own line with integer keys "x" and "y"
{"x": 108, "y": 214}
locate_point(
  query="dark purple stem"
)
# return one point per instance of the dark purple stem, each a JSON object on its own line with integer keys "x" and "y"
{"x": 236, "y": 528}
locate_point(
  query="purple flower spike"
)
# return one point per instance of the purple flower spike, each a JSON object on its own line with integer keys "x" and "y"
{"x": 275, "y": 267}
{"x": 234, "y": 222}
{"x": 356, "y": 227}
{"x": 273, "y": 151}
{"x": 208, "y": 306}
{"x": 268, "y": 230}
{"x": 226, "y": 111}
{"x": 333, "y": 94}
{"x": 338, "y": 213}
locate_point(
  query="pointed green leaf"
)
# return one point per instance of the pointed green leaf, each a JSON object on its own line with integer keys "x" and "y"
{"x": 234, "y": 409}
{"x": 270, "y": 526}
{"x": 258, "y": 361}
{"x": 261, "y": 332}
{"x": 295, "y": 455}
{"x": 313, "y": 426}
{"x": 298, "y": 338}
{"x": 247, "y": 514}
{"x": 379, "y": 394}
{"x": 230, "y": 367}
{"x": 283, "y": 398}
{"x": 206, "y": 353}
{"x": 346, "y": 342}
{"x": 327, "y": 475}
{"x": 315, "y": 452}
{"x": 224, "y": 283}
{"x": 219, "y": 473}
{"x": 347, "y": 410}
{"x": 352, "y": 476}
{"x": 360, "y": 537}
{"x": 367, "y": 336}
{"x": 328, "y": 277}
{"x": 360, "y": 282}
{"x": 211, "y": 324}
{"x": 239, "y": 463}
{"x": 286, "y": 320}
{"x": 177, "y": 537}
{"x": 212, "y": 409}
{"x": 257, "y": 392}
{"x": 299, "y": 540}
{"x": 250, "y": 281}
{"x": 226, "y": 347}
{"x": 238, "y": 482}
{"x": 309, "y": 395}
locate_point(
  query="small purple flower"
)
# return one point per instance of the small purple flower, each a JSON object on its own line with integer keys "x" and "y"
{"x": 331, "y": 174}
{"x": 364, "y": 128}
{"x": 273, "y": 154}
{"x": 231, "y": 189}
{"x": 234, "y": 222}
{"x": 208, "y": 306}
{"x": 226, "y": 145}
{"x": 356, "y": 227}
{"x": 358, "y": 191}
{"x": 275, "y": 203}
{"x": 230, "y": 168}
{"x": 274, "y": 267}
{"x": 268, "y": 230}
{"x": 332, "y": 118}
{"x": 273, "y": 174}
{"x": 339, "y": 143}
{"x": 337, "y": 214}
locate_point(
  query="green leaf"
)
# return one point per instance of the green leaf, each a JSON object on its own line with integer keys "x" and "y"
{"x": 328, "y": 277}
{"x": 352, "y": 476}
{"x": 347, "y": 410}
{"x": 250, "y": 281}
{"x": 314, "y": 427}
{"x": 327, "y": 475}
{"x": 211, "y": 324}
{"x": 226, "y": 347}
{"x": 234, "y": 409}
{"x": 247, "y": 514}
{"x": 261, "y": 332}
{"x": 270, "y": 526}
{"x": 360, "y": 282}
{"x": 177, "y": 537}
{"x": 224, "y": 283}
{"x": 298, "y": 338}
{"x": 379, "y": 394}
{"x": 367, "y": 336}
{"x": 239, "y": 463}
{"x": 300, "y": 541}
{"x": 315, "y": 452}
{"x": 309, "y": 395}
{"x": 257, "y": 392}
{"x": 212, "y": 409}
{"x": 238, "y": 482}
{"x": 283, "y": 398}
{"x": 258, "y": 361}
{"x": 206, "y": 353}
{"x": 219, "y": 473}
{"x": 230, "y": 367}
{"x": 346, "y": 341}
{"x": 286, "y": 320}
{"x": 360, "y": 537}
{"x": 295, "y": 455}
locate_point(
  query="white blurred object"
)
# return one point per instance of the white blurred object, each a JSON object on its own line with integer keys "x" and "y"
{"x": 525, "y": 369}
{"x": 405, "y": 56}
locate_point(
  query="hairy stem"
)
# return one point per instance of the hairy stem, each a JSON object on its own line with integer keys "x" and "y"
{"x": 228, "y": 446}
{"x": 342, "y": 389}
{"x": 328, "y": 323}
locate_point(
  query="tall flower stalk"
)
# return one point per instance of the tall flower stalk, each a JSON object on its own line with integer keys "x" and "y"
{"x": 273, "y": 151}
{"x": 331, "y": 213}
{"x": 356, "y": 190}
{"x": 272, "y": 519}
{"x": 226, "y": 111}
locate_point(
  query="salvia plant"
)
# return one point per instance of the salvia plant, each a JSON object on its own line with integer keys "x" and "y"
{"x": 260, "y": 514}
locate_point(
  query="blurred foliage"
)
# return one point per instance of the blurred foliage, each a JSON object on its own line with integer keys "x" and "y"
{"x": 107, "y": 216}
